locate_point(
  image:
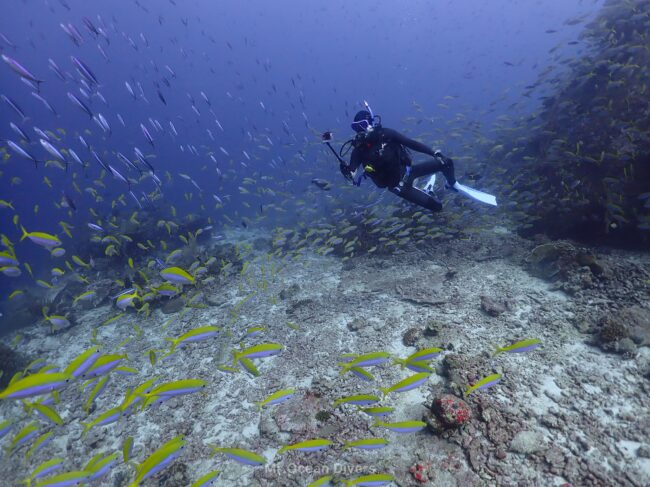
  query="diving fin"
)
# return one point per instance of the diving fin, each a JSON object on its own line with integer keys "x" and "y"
{"x": 475, "y": 194}
{"x": 430, "y": 186}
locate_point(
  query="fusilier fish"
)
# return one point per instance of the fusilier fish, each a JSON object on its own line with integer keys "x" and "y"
{"x": 20, "y": 69}
{"x": 104, "y": 419}
{"x": 519, "y": 347}
{"x": 420, "y": 356}
{"x": 277, "y": 398}
{"x": 52, "y": 150}
{"x": 365, "y": 360}
{"x": 103, "y": 365}
{"x": 76, "y": 477}
{"x": 100, "y": 464}
{"x": 84, "y": 71}
{"x": 240, "y": 455}
{"x": 258, "y": 351}
{"x": 401, "y": 426}
{"x": 41, "y": 238}
{"x": 407, "y": 384}
{"x": 22, "y": 152}
{"x": 484, "y": 383}
{"x": 357, "y": 400}
{"x": 82, "y": 362}
{"x": 76, "y": 101}
{"x": 207, "y": 479}
{"x": 158, "y": 460}
{"x": 372, "y": 480}
{"x": 35, "y": 385}
{"x": 366, "y": 444}
{"x": 195, "y": 335}
{"x": 44, "y": 469}
{"x": 176, "y": 275}
{"x": 14, "y": 106}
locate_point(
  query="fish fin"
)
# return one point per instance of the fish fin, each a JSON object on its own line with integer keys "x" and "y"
{"x": 146, "y": 401}
{"x": 344, "y": 367}
{"x": 87, "y": 427}
{"x": 235, "y": 357}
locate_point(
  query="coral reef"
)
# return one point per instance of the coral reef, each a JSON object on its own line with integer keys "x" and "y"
{"x": 585, "y": 155}
{"x": 412, "y": 336}
{"x": 11, "y": 362}
{"x": 447, "y": 412}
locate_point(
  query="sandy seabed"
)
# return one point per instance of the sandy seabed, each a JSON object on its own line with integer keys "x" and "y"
{"x": 567, "y": 413}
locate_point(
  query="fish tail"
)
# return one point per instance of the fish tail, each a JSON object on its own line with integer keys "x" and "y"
{"x": 385, "y": 390}
{"x": 235, "y": 357}
{"x": 25, "y": 234}
{"x": 497, "y": 350}
{"x": 345, "y": 367}
{"x": 399, "y": 361}
{"x": 28, "y": 406}
{"x": 376, "y": 423}
{"x": 87, "y": 427}
{"x": 147, "y": 401}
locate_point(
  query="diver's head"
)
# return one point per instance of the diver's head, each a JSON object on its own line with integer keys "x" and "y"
{"x": 362, "y": 122}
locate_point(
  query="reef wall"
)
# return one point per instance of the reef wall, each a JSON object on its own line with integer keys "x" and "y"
{"x": 580, "y": 168}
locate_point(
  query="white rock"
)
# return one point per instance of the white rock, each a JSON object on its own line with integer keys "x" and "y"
{"x": 527, "y": 442}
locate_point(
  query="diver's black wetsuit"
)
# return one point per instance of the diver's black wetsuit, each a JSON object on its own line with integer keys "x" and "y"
{"x": 382, "y": 152}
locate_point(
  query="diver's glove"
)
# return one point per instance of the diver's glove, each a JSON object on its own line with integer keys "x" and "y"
{"x": 345, "y": 170}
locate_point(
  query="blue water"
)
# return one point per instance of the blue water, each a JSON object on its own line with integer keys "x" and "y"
{"x": 310, "y": 66}
{"x": 454, "y": 75}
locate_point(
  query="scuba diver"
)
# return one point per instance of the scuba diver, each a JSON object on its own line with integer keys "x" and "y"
{"x": 382, "y": 154}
